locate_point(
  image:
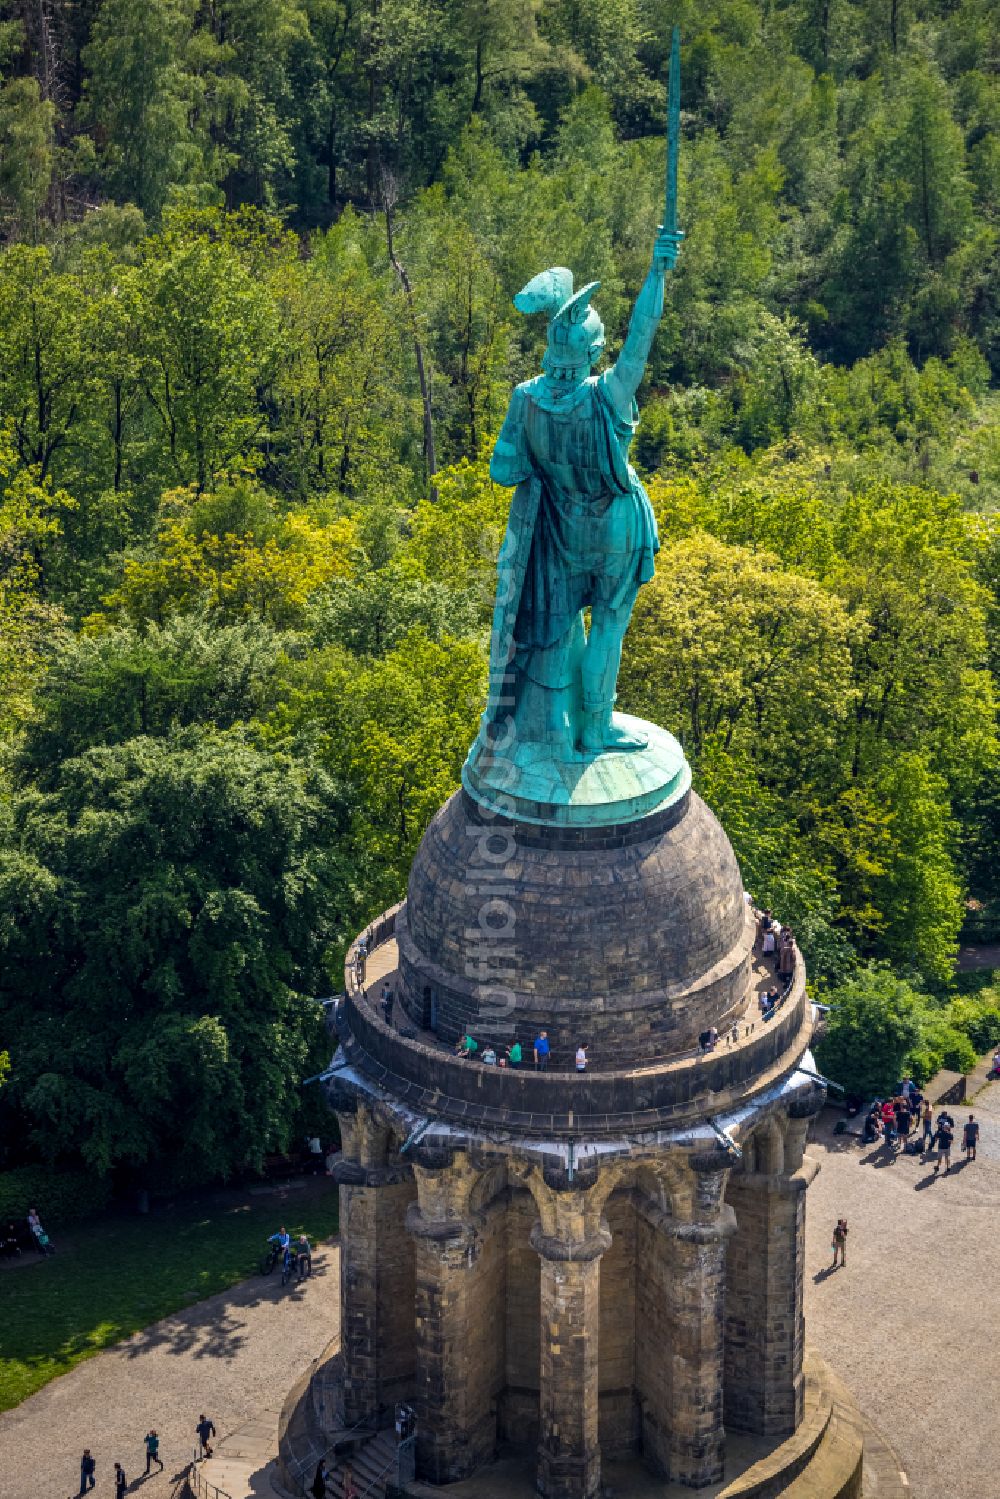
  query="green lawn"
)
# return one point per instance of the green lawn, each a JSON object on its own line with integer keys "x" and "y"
{"x": 125, "y": 1271}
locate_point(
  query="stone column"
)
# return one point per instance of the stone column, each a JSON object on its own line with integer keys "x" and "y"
{"x": 569, "y": 1453}
{"x": 456, "y": 1427}
{"x": 376, "y": 1272}
{"x": 765, "y": 1325}
{"x": 695, "y": 1262}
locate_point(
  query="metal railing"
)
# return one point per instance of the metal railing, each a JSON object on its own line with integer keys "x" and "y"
{"x": 384, "y": 928}
{"x": 199, "y": 1484}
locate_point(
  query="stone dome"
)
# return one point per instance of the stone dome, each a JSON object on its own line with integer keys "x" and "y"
{"x": 632, "y": 939}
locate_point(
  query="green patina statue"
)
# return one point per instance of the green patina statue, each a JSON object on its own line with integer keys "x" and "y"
{"x": 581, "y": 533}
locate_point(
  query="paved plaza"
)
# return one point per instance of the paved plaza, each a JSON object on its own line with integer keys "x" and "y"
{"x": 233, "y": 1356}
{"x": 908, "y": 1326}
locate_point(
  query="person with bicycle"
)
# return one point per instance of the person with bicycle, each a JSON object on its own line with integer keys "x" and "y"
{"x": 277, "y": 1244}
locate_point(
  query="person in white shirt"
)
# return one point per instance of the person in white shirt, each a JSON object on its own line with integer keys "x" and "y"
{"x": 581, "y": 1058}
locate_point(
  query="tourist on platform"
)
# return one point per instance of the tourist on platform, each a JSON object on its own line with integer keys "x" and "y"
{"x": 489, "y": 1055}
{"x": 205, "y": 1431}
{"x": 927, "y": 1120}
{"x": 87, "y": 1466}
{"x": 903, "y": 1118}
{"x": 786, "y": 955}
{"x": 708, "y": 1039}
{"x": 768, "y": 943}
{"x": 387, "y": 1003}
{"x": 318, "y": 1487}
{"x": 943, "y": 1139}
{"x": 840, "y": 1242}
{"x": 872, "y": 1127}
{"x": 467, "y": 1047}
{"x": 581, "y": 1058}
{"x": 542, "y": 1051}
{"x": 970, "y": 1137}
{"x": 350, "y": 1488}
{"x": 514, "y": 1053}
{"x": 121, "y": 1483}
{"x": 889, "y": 1123}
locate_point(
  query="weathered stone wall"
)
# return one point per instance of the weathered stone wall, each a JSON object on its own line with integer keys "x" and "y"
{"x": 653, "y": 1343}
{"x": 633, "y": 938}
{"x": 518, "y": 1414}
{"x": 765, "y": 1321}
{"x": 377, "y": 1299}
{"x": 618, "y": 1404}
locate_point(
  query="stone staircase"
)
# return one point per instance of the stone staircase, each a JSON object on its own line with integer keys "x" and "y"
{"x": 372, "y": 1465}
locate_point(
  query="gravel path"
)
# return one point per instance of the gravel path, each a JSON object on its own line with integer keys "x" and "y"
{"x": 917, "y": 1294}
{"x": 230, "y": 1356}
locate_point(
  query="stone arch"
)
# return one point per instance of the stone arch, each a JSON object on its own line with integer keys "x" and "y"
{"x": 487, "y": 1187}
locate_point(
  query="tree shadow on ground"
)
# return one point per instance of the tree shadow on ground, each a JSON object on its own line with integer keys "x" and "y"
{"x": 208, "y": 1330}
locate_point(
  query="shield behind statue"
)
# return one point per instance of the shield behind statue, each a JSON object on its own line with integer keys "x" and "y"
{"x": 512, "y": 568}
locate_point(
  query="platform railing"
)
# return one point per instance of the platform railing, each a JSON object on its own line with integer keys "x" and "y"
{"x": 380, "y": 931}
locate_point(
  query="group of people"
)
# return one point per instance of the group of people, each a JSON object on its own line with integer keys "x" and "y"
{"x": 204, "y": 1430}
{"x": 894, "y": 1119}
{"x": 776, "y": 942}
{"x": 295, "y": 1256}
{"x": 513, "y": 1056}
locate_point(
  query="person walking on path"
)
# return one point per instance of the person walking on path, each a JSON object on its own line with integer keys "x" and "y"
{"x": 120, "y": 1483}
{"x": 318, "y": 1489}
{"x": 928, "y": 1123}
{"x": 970, "y": 1137}
{"x": 542, "y": 1050}
{"x": 350, "y": 1489}
{"x": 840, "y": 1242}
{"x": 87, "y": 1466}
{"x": 943, "y": 1139}
{"x": 206, "y": 1431}
{"x": 153, "y": 1450}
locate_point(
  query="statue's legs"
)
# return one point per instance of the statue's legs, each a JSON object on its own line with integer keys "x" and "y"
{"x": 599, "y": 670}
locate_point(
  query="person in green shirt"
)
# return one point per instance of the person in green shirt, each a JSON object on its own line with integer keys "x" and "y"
{"x": 514, "y": 1054}
{"x": 467, "y": 1047}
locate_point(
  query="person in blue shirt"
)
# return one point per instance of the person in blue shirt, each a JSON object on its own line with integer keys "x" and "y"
{"x": 542, "y": 1050}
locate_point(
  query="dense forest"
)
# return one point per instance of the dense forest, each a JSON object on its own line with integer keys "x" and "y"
{"x": 256, "y": 338}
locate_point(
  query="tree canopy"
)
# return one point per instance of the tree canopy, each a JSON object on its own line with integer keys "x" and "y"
{"x": 256, "y": 339}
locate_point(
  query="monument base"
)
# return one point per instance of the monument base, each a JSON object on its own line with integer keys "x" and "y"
{"x": 533, "y": 782}
{"x": 823, "y": 1459}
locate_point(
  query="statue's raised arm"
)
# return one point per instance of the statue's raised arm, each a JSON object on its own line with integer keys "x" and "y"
{"x": 625, "y": 376}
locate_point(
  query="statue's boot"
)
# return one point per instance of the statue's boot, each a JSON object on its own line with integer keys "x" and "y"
{"x": 600, "y": 732}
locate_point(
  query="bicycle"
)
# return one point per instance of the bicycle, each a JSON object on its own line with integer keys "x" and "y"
{"x": 269, "y": 1259}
